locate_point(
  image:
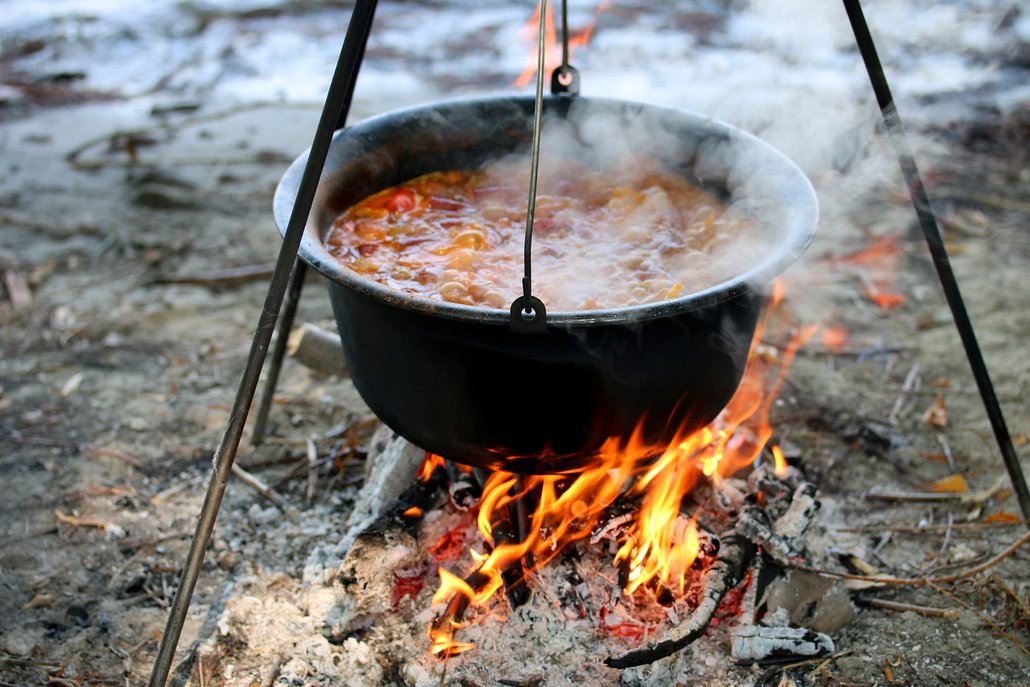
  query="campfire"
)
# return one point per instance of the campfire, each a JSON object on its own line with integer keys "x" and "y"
{"x": 674, "y": 537}
{"x": 604, "y": 466}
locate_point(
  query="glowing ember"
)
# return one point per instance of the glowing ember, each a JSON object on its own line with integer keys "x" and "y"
{"x": 661, "y": 544}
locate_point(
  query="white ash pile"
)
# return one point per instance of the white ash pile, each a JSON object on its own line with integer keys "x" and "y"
{"x": 363, "y": 613}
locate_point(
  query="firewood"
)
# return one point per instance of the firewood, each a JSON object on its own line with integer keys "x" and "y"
{"x": 317, "y": 350}
{"x": 755, "y": 644}
{"x": 725, "y": 573}
{"x": 798, "y": 516}
{"x": 753, "y": 523}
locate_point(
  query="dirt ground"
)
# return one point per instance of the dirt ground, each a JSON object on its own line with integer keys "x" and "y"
{"x": 116, "y": 376}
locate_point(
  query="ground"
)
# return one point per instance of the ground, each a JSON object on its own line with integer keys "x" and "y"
{"x": 116, "y": 373}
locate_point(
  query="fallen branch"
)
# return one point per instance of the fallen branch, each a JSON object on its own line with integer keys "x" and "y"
{"x": 260, "y": 487}
{"x": 31, "y": 534}
{"x": 124, "y": 457}
{"x": 998, "y": 629}
{"x": 916, "y": 581}
{"x": 231, "y": 276}
{"x": 947, "y": 613}
{"x": 80, "y": 522}
{"x": 724, "y": 574}
{"x": 973, "y": 497}
{"x": 925, "y": 529}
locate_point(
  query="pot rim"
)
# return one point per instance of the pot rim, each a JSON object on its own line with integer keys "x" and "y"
{"x": 801, "y": 215}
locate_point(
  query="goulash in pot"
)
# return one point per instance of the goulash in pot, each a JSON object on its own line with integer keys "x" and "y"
{"x": 600, "y": 240}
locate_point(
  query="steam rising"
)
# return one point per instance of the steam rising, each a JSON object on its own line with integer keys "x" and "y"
{"x": 650, "y": 249}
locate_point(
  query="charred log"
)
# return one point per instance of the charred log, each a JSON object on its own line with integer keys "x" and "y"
{"x": 757, "y": 644}
{"x": 725, "y": 573}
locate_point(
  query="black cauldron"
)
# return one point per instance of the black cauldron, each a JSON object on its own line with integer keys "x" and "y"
{"x": 458, "y": 381}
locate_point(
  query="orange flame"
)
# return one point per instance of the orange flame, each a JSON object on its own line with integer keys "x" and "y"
{"x": 780, "y": 464}
{"x": 429, "y": 465}
{"x": 662, "y": 544}
{"x": 553, "y": 50}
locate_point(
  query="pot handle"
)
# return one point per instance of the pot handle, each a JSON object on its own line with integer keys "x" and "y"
{"x": 528, "y": 315}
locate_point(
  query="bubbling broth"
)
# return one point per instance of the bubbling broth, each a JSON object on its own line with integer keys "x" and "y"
{"x": 601, "y": 239}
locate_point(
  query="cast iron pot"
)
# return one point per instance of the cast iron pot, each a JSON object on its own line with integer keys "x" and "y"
{"x": 458, "y": 381}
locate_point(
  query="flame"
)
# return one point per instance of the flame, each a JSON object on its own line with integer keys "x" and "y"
{"x": 429, "y": 465}
{"x": 553, "y": 50}
{"x": 780, "y": 464}
{"x": 662, "y": 544}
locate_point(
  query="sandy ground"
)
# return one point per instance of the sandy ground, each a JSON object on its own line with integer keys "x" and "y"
{"x": 115, "y": 385}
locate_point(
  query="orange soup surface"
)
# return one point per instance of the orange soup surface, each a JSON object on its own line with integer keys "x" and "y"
{"x": 599, "y": 240}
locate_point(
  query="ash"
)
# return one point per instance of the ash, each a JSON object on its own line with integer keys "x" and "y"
{"x": 359, "y": 613}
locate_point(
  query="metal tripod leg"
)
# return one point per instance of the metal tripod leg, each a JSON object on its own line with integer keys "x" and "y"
{"x": 257, "y": 432}
{"x": 341, "y": 90}
{"x": 937, "y": 251}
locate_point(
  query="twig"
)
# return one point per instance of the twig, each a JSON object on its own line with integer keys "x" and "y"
{"x": 80, "y": 522}
{"x": 948, "y": 613}
{"x": 32, "y": 534}
{"x": 974, "y": 497}
{"x": 231, "y": 276}
{"x": 127, "y": 545}
{"x": 8, "y": 659}
{"x": 987, "y": 620}
{"x": 901, "y": 582}
{"x": 724, "y": 574}
{"x": 924, "y": 529}
{"x": 273, "y": 672}
{"x": 821, "y": 660}
{"x": 910, "y": 381}
{"x": 260, "y": 487}
{"x": 312, "y": 471}
{"x": 125, "y": 458}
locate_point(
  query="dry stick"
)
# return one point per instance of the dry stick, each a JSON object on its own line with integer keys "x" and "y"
{"x": 975, "y": 497}
{"x": 821, "y": 660}
{"x": 273, "y": 672}
{"x": 260, "y": 487}
{"x": 230, "y": 276}
{"x": 32, "y": 534}
{"x": 925, "y": 529}
{"x": 312, "y": 471}
{"x": 125, "y": 458}
{"x": 987, "y": 620}
{"x": 910, "y": 381}
{"x": 948, "y": 613}
{"x": 915, "y": 581}
{"x": 723, "y": 575}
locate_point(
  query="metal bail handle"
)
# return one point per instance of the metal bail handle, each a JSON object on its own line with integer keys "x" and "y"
{"x": 528, "y": 320}
{"x": 565, "y": 78}
{"x": 528, "y": 314}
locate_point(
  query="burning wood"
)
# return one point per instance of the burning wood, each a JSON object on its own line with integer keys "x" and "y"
{"x": 724, "y": 574}
{"x": 657, "y": 514}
